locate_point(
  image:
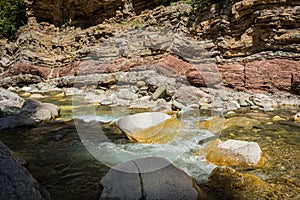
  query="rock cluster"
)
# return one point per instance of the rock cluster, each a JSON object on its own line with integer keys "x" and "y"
{"x": 15, "y": 111}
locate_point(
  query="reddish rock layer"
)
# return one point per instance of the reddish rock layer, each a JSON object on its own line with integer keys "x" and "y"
{"x": 257, "y": 76}
{"x": 26, "y": 68}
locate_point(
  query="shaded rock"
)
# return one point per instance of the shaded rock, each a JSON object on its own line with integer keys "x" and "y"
{"x": 244, "y": 101}
{"x": 15, "y": 120}
{"x": 149, "y": 178}
{"x": 235, "y": 153}
{"x": 249, "y": 27}
{"x": 40, "y": 111}
{"x": 16, "y": 182}
{"x": 226, "y": 183}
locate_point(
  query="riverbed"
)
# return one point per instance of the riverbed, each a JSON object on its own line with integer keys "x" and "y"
{"x": 59, "y": 158}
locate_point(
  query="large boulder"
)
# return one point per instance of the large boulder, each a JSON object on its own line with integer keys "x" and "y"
{"x": 149, "y": 178}
{"x": 40, "y": 111}
{"x": 15, "y": 181}
{"x": 148, "y": 127}
{"x": 15, "y": 120}
{"x": 235, "y": 153}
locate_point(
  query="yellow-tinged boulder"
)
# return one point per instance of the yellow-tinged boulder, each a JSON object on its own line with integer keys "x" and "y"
{"x": 149, "y": 127}
{"x": 234, "y": 153}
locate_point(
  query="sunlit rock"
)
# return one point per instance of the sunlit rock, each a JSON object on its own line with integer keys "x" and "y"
{"x": 37, "y": 96}
{"x": 149, "y": 178}
{"x": 235, "y": 153}
{"x": 187, "y": 95}
{"x": 149, "y": 127}
{"x": 297, "y": 117}
{"x": 232, "y": 105}
{"x": 9, "y": 99}
{"x": 277, "y": 118}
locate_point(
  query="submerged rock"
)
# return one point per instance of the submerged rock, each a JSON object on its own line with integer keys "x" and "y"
{"x": 15, "y": 181}
{"x": 235, "y": 153}
{"x": 226, "y": 183}
{"x": 149, "y": 178}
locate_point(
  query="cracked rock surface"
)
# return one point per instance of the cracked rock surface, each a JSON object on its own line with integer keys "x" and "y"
{"x": 149, "y": 178}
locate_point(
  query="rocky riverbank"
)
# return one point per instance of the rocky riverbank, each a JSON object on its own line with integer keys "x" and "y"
{"x": 226, "y": 57}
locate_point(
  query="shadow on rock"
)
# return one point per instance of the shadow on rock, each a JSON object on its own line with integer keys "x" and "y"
{"x": 149, "y": 178}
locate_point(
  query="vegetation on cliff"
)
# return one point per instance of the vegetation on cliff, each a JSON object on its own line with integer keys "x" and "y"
{"x": 12, "y": 16}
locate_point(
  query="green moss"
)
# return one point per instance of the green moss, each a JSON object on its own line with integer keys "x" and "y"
{"x": 132, "y": 23}
{"x": 12, "y": 16}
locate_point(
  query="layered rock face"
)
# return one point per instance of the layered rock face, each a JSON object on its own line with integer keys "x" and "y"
{"x": 247, "y": 27}
{"x": 85, "y": 13}
{"x": 249, "y": 45}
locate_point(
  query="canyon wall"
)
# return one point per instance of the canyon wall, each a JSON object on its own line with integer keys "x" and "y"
{"x": 85, "y": 13}
{"x": 242, "y": 28}
{"x": 255, "y": 44}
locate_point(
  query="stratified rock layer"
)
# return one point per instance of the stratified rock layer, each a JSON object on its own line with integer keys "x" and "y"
{"x": 246, "y": 27}
{"x": 87, "y": 12}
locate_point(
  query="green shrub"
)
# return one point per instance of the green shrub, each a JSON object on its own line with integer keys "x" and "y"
{"x": 197, "y": 4}
{"x": 12, "y": 16}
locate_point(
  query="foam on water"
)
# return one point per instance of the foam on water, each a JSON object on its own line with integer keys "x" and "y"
{"x": 181, "y": 151}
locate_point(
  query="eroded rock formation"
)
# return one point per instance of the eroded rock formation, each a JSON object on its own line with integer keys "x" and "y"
{"x": 247, "y": 27}
{"x": 88, "y": 12}
{"x": 248, "y": 45}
